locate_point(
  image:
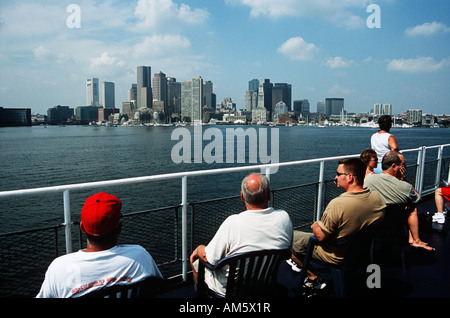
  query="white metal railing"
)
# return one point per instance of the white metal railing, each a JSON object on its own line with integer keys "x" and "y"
{"x": 265, "y": 168}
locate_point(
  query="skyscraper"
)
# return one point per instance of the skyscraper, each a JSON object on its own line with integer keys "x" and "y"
{"x": 108, "y": 95}
{"x": 253, "y": 85}
{"x": 174, "y": 95}
{"x": 92, "y": 96}
{"x": 143, "y": 87}
{"x": 282, "y": 92}
{"x": 333, "y": 106}
{"x": 382, "y": 109}
{"x": 250, "y": 100}
{"x": 265, "y": 95}
{"x": 132, "y": 94}
{"x": 191, "y": 99}
{"x": 208, "y": 95}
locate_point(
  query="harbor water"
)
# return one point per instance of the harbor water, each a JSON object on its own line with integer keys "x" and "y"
{"x": 42, "y": 156}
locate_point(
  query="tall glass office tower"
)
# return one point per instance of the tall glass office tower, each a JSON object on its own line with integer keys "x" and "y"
{"x": 92, "y": 95}
{"x": 143, "y": 87}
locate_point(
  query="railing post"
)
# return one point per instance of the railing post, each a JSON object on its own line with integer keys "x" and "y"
{"x": 437, "y": 181}
{"x": 67, "y": 221}
{"x": 267, "y": 174}
{"x": 320, "y": 191}
{"x": 420, "y": 169}
{"x": 184, "y": 243}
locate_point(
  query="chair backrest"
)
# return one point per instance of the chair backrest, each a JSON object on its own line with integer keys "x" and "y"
{"x": 142, "y": 289}
{"x": 251, "y": 274}
{"x": 394, "y": 222}
{"x": 360, "y": 250}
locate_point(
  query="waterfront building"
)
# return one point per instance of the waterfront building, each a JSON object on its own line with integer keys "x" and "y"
{"x": 59, "y": 114}
{"x": 414, "y": 116}
{"x": 282, "y": 92}
{"x": 209, "y": 98}
{"x": 143, "y": 87}
{"x": 108, "y": 95}
{"x": 382, "y": 109}
{"x": 333, "y": 106}
{"x": 301, "y": 108}
{"x": 85, "y": 114}
{"x": 191, "y": 99}
{"x": 128, "y": 108}
{"x": 92, "y": 92}
{"x": 265, "y": 95}
{"x": 15, "y": 117}
{"x": 132, "y": 94}
{"x": 321, "y": 107}
{"x": 174, "y": 95}
{"x": 260, "y": 115}
{"x": 160, "y": 101}
{"x": 280, "y": 109}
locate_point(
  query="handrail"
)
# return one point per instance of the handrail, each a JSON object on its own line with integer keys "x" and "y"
{"x": 265, "y": 168}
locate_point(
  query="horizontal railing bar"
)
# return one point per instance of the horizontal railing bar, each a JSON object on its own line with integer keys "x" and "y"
{"x": 175, "y": 175}
{"x": 160, "y": 177}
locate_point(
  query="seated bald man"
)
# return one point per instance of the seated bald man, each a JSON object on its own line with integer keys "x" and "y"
{"x": 259, "y": 227}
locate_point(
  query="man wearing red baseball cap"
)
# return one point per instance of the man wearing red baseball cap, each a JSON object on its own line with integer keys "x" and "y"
{"x": 103, "y": 263}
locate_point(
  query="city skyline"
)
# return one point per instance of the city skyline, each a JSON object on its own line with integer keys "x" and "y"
{"x": 323, "y": 49}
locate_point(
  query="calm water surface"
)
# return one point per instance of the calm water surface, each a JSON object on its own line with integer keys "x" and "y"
{"x": 37, "y": 156}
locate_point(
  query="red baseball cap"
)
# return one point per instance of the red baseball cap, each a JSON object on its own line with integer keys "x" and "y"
{"x": 100, "y": 214}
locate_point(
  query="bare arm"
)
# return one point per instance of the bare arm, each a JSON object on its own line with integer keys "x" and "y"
{"x": 321, "y": 235}
{"x": 199, "y": 252}
{"x": 392, "y": 141}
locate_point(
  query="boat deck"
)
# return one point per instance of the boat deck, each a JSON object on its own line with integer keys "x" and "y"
{"x": 427, "y": 273}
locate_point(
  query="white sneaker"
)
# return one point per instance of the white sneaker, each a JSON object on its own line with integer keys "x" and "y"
{"x": 293, "y": 265}
{"x": 439, "y": 218}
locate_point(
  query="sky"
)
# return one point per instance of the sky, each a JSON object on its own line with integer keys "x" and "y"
{"x": 367, "y": 52}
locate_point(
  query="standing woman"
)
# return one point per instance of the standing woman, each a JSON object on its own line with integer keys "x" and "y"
{"x": 382, "y": 141}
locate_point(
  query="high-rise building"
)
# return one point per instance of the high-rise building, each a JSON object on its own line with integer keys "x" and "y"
{"x": 159, "y": 87}
{"x": 208, "y": 95}
{"x": 333, "y": 106}
{"x": 92, "y": 92}
{"x": 191, "y": 99}
{"x": 321, "y": 107}
{"x": 250, "y": 100}
{"x": 174, "y": 95}
{"x": 282, "y": 92}
{"x": 414, "y": 116}
{"x": 132, "y": 94}
{"x": 143, "y": 87}
{"x": 59, "y": 114}
{"x": 265, "y": 95}
{"x": 301, "y": 108}
{"x": 382, "y": 109}
{"x": 253, "y": 85}
{"x": 108, "y": 95}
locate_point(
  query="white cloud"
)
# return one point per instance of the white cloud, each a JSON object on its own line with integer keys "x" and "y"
{"x": 338, "y": 90}
{"x": 297, "y": 48}
{"x": 160, "y": 45}
{"x": 427, "y": 29}
{"x": 336, "y": 12}
{"x": 338, "y": 62}
{"x": 41, "y": 52}
{"x": 157, "y": 14}
{"x": 417, "y": 65}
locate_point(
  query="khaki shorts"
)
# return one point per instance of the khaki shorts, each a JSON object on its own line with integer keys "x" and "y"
{"x": 300, "y": 242}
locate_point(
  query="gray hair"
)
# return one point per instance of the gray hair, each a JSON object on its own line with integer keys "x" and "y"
{"x": 261, "y": 194}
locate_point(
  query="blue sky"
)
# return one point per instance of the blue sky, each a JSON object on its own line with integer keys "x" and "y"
{"x": 323, "y": 48}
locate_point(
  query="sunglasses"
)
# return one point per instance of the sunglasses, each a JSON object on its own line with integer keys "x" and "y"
{"x": 341, "y": 173}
